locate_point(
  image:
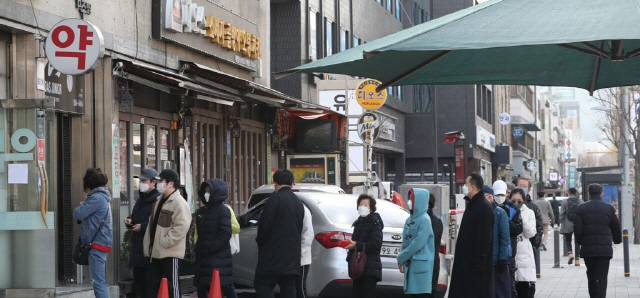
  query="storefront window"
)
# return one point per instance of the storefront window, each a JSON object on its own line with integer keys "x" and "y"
{"x": 137, "y": 155}
{"x": 164, "y": 149}
{"x": 151, "y": 146}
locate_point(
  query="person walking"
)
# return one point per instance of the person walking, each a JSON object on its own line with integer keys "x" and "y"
{"x": 137, "y": 222}
{"x": 213, "y": 251}
{"x": 555, "y": 205}
{"x": 305, "y": 253}
{"x": 525, "y": 260}
{"x": 472, "y": 274}
{"x": 95, "y": 227}
{"x": 501, "y": 246}
{"x": 415, "y": 259}
{"x": 548, "y": 217}
{"x": 438, "y": 228}
{"x": 502, "y": 198}
{"x": 165, "y": 240}
{"x": 596, "y": 226}
{"x": 367, "y": 238}
{"x": 567, "y": 215}
{"x": 279, "y": 239}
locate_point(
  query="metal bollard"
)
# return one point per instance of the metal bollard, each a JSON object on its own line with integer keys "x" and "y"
{"x": 625, "y": 245}
{"x": 556, "y": 247}
{"x": 537, "y": 258}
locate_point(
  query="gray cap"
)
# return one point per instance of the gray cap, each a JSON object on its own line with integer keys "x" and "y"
{"x": 148, "y": 174}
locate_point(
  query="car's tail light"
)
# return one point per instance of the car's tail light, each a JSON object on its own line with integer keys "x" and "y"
{"x": 332, "y": 239}
{"x": 443, "y": 249}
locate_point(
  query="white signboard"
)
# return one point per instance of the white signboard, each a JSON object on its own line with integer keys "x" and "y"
{"x": 368, "y": 127}
{"x": 335, "y": 100}
{"x": 485, "y": 139}
{"x": 504, "y": 118}
{"x": 74, "y": 47}
{"x": 553, "y": 176}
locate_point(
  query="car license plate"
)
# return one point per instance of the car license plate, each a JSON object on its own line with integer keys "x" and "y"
{"x": 390, "y": 251}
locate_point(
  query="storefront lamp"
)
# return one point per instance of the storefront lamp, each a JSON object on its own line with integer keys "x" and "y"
{"x": 235, "y": 129}
{"x": 187, "y": 118}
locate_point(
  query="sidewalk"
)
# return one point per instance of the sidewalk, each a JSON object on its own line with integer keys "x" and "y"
{"x": 570, "y": 281}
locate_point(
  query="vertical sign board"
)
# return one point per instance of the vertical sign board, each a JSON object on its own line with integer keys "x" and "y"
{"x": 572, "y": 176}
{"x": 459, "y": 153}
{"x": 41, "y": 151}
{"x": 115, "y": 157}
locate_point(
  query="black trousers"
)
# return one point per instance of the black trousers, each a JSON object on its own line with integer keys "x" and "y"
{"x": 418, "y": 295}
{"x": 140, "y": 281}
{"x": 512, "y": 273}
{"x": 526, "y": 289}
{"x": 597, "y": 271}
{"x": 264, "y": 284}
{"x": 159, "y": 268}
{"x": 567, "y": 243}
{"x": 365, "y": 287}
{"x": 301, "y": 282}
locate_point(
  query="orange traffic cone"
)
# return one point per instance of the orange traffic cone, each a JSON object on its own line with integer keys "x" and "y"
{"x": 163, "y": 292}
{"x": 215, "y": 291}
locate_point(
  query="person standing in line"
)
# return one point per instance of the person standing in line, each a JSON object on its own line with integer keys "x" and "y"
{"x": 305, "y": 253}
{"x": 596, "y": 226}
{"x": 555, "y": 205}
{"x": 367, "y": 237}
{"x": 567, "y": 215}
{"x": 416, "y": 257}
{"x": 279, "y": 240}
{"x": 501, "y": 197}
{"x": 438, "y": 228}
{"x": 213, "y": 250}
{"x": 165, "y": 240}
{"x": 501, "y": 246}
{"x": 95, "y": 216}
{"x": 548, "y": 217}
{"x": 137, "y": 222}
{"x": 536, "y": 240}
{"x": 472, "y": 274}
{"x": 525, "y": 261}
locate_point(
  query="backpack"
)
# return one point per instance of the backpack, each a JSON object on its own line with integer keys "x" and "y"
{"x": 572, "y": 206}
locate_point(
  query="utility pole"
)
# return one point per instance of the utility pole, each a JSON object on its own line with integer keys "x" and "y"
{"x": 626, "y": 205}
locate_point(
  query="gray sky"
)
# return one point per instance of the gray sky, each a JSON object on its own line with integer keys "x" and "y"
{"x": 589, "y": 118}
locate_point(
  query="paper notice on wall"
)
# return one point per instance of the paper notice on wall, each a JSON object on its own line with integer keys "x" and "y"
{"x": 18, "y": 173}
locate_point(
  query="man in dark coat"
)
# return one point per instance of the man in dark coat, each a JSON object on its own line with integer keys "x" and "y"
{"x": 596, "y": 226}
{"x": 436, "y": 225}
{"x": 137, "y": 222}
{"x": 472, "y": 275}
{"x": 213, "y": 224}
{"x": 555, "y": 205}
{"x": 279, "y": 240}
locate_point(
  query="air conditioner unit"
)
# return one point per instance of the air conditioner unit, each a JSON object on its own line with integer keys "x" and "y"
{"x": 312, "y": 52}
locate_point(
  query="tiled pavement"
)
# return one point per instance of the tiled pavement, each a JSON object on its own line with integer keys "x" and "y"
{"x": 570, "y": 281}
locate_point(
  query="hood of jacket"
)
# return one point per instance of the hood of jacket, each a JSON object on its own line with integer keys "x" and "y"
{"x": 420, "y": 198}
{"x": 218, "y": 192}
{"x": 101, "y": 192}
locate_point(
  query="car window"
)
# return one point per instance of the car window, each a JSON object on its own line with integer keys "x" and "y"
{"x": 345, "y": 212}
{"x": 257, "y": 198}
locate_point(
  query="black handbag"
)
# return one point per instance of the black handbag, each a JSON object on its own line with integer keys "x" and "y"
{"x": 81, "y": 251}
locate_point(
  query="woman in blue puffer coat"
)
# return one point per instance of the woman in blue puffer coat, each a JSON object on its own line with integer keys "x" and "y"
{"x": 417, "y": 255}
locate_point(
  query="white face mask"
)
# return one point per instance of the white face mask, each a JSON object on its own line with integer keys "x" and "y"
{"x": 206, "y": 197}
{"x": 160, "y": 187}
{"x": 465, "y": 190}
{"x": 500, "y": 199}
{"x": 410, "y": 205}
{"x": 144, "y": 187}
{"x": 363, "y": 211}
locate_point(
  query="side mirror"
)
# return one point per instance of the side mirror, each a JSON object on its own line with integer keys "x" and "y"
{"x": 253, "y": 223}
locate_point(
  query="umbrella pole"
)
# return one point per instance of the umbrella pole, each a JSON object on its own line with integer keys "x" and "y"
{"x": 435, "y": 137}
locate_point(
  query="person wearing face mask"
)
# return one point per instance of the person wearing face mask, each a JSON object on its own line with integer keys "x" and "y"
{"x": 501, "y": 197}
{"x": 213, "y": 225}
{"x": 525, "y": 261}
{"x": 165, "y": 239}
{"x": 501, "y": 246}
{"x": 367, "y": 237}
{"x": 417, "y": 255}
{"x": 472, "y": 274}
{"x": 137, "y": 222}
{"x": 525, "y": 185}
{"x": 436, "y": 225}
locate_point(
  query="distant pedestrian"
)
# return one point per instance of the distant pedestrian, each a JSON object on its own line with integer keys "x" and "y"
{"x": 213, "y": 250}
{"x": 567, "y": 215}
{"x": 525, "y": 185}
{"x": 548, "y": 217}
{"x": 596, "y": 226}
{"x": 165, "y": 240}
{"x": 525, "y": 261}
{"x": 367, "y": 238}
{"x": 555, "y": 205}
{"x": 501, "y": 246}
{"x": 437, "y": 226}
{"x": 96, "y": 228}
{"x": 279, "y": 240}
{"x": 305, "y": 253}
{"x": 137, "y": 222}
{"x": 472, "y": 274}
{"x": 501, "y": 196}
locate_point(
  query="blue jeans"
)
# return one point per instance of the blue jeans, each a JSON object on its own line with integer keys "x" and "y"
{"x": 228, "y": 292}
{"x": 97, "y": 261}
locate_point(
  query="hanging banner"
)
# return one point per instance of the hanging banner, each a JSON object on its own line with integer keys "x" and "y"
{"x": 188, "y": 183}
{"x": 459, "y": 153}
{"x": 115, "y": 158}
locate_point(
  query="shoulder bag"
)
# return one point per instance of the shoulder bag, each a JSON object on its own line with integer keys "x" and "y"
{"x": 357, "y": 263}
{"x": 81, "y": 252}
